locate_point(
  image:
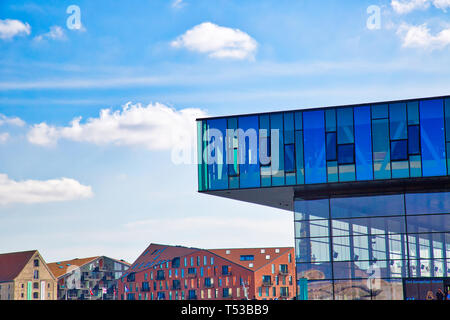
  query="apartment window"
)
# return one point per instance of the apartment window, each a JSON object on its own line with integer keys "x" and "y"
{"x": 36, "y": 285}
{"x": 35, "y": 295}
{"x": 205, "y": 260}
{"x": 249, "y": 257}
{"x": 36, "y": 262}
{"x": 36, "y": 274}
{"x": 212, "y": 260}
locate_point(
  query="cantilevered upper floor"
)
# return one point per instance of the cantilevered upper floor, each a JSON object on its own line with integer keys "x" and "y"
{"x": 268, "y": 158}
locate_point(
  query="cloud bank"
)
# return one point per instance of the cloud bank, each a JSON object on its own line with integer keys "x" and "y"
{"x": 36, "y": 191}
{"x": 155, "y": 127}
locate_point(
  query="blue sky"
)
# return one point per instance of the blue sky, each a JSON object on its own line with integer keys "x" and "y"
{"x": 103, "y": 185}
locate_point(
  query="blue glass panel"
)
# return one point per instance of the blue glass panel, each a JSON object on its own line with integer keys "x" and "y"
{"x": 399, "y": 150}
{"x": 298, "y": 121}
{"x": 345, "y": 125}
{"x": 363, "y": 143}
{"x": 331, "y": 146}
{"x": 448, "y": 158}
{"x": 232, "y": 148}
{"x": 299, "y": 157}
{"x": 400, "y": 169}
{"x": 332, "y": 171}
{"x": 413, "y": 113}
{"x": 289, "y": 127}
{"x": 397, "y": 115}
{"x": 427, "y": 203}
{"x": 233, "y": 182}
{"x": 291, "y": 178}
{"x": 276, "y": 123}
{"x": 311, "y": 209}
{"x": 379, "y": 111}
{"x": 289, "y": 158}
{"x": 447, "y": 118}
{"x": 330, "y": 120}
{"x": 432, "y": 138}
{"x": 347, "y": 172}
{"x": 249, "y": 151}
{"x": 415, "y": 166}
{"x": 413, "y": 140}
{"x": 384, "y": 205}
{"x": 314, "y": 146}
{"x": 217, "y": 170}
{"x": 346, "y": 154}
{"x": 381, "y": 153}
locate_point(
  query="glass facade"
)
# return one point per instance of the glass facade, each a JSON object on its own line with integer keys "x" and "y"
{"x": 366, "y": 247}
{"x": 369, "y": 186}
{"x": 398, "y": 140}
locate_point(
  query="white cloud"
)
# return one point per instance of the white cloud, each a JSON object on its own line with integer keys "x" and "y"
{"x": 155, "y": 127}
{"x": 406, "y": 6}
{"x": 10, "y": 28}
{"x": 36, "y": 191}
{"x": 55, "y": 33}
{"x": 4, "y": 120}
{"x": 442, "y": 4}
{"x": 421, "y": 37}
{"x": 4, "y": 137}
{"x": 217, "y": 42}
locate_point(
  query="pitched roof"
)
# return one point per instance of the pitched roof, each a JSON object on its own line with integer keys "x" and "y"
{"x": 11, "y": 264}
{"x": 60, "y": 268}
{"x": 156, "y": 254}
{"x": 261, "y": 256}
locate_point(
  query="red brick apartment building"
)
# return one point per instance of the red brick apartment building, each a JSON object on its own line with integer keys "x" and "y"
{"x": 165, "y": 272}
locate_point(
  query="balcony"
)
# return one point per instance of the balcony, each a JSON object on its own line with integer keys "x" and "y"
{"x": 283, "y": 272}
{"x": 267, "y": 283}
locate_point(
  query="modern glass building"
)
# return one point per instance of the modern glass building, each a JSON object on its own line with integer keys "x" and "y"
{"x": 368, "y": 185}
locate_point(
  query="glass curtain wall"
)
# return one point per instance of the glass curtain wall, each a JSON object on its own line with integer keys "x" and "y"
{"x": 330, "y": 145}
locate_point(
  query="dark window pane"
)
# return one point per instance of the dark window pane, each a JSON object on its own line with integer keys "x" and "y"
{"x": 413, "y": 140}
{"x": 298, "y": 121}
{"x": 345, "y": 125}
{"x": 363, "y": 143}
{"x": 289, "y": 127}
{"x": 397, "y": 115}
{"x": 346, "y": 154}
{"x": 432, "y": 138}
{"x": 428, "y": 203}
{"x": 314, "y": 147}
{"x": 380, "y": 111}
{"x": 399, "y": 150}
{"x": 385, "y": 205}
{"x": 330, "y": 120}
{"x": 413, "y": 113}
{"x": 289, "y": 158}
{"x": 331, "y": 146}
{"x": 428, "y": 223}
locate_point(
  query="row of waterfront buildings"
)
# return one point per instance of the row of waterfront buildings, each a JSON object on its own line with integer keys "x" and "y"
{"x": 161, "y": 272}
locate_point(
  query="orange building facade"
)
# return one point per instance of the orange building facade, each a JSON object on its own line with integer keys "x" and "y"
{"x": 164, "y": 272}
